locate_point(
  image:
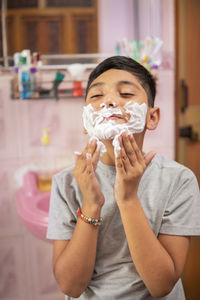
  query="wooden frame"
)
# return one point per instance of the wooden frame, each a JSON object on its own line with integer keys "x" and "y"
{"x": 68, "y": 18}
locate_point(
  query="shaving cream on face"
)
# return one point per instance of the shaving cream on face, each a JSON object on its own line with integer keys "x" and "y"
{"x": 100, "y": 145}
{"x": 97, "y": 126}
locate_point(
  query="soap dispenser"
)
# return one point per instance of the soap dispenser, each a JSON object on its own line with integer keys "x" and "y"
{"x": 46, "y": 162}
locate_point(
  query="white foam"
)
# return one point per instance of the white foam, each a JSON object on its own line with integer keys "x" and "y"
{"x": 97, "y": 126}
{"x": 100, "y": 145}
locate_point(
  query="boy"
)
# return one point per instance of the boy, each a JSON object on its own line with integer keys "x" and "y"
{"x": 121, "y": 224}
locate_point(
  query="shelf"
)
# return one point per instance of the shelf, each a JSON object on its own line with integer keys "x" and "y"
{"x": 52, "y": 92}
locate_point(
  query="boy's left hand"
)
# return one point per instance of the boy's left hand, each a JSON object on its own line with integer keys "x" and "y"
{"x": 130, "y": 165}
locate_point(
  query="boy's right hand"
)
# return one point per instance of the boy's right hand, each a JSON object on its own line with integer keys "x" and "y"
{"x": 84, "y": 173}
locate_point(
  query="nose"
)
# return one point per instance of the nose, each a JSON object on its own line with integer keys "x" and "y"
{"x": 112, "y": 104}
{"x": 110, "y": 100}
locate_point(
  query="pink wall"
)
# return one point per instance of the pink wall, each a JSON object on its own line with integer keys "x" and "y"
{"x": 115, "y": 22}
{"x": 25, "y": 261}
{"x": 155, "y": 18}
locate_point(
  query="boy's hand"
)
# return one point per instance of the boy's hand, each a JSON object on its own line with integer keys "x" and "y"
{"x": 130, "y": 166}
{"x": 83, "y": 172}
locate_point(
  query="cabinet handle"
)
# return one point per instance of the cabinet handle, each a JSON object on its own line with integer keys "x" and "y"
{"x": 188, "y": 132}
{"x": 184, "y": 95}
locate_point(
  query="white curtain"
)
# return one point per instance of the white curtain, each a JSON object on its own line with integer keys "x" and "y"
{"x": 147, "y": 18}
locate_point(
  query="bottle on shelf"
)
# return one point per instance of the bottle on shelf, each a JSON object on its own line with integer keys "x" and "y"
{"x": 34, "y": 94}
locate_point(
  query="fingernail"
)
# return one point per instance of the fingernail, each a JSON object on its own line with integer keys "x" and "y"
{"x": 130, "y": 136}
{"x": 99, "y": 146}
{"x": 116, "y": 152}
{"x": 92, "y": 138}
{"x": 77, "y": 153}
{"x": 93, "y": 141}
{"x": 124, "y": 134}
{"x": 88, "y": 155}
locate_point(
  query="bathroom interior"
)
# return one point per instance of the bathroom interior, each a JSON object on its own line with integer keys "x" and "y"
{"x": 58, "y": 43}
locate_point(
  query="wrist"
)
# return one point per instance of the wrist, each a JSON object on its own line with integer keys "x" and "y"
{"x": 89, "y": 220}
{"x": 91, "y": 210}
{"x": 128, "y": 201}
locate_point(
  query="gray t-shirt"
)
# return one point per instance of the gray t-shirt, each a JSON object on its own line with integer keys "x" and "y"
{"x": 169, "y": 195}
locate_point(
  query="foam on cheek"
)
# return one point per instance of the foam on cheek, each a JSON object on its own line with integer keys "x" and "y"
{"x": 96, "y": 125}
{"x": 135, "y": 124}
{"x": 137, "y": 113}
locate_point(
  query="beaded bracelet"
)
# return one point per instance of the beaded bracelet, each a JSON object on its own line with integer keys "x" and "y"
{"x": 92, "y": 221}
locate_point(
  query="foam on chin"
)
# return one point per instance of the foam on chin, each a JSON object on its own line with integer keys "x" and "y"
{"x": 101, "y": 129}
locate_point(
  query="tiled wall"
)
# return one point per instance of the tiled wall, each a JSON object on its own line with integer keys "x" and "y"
{"x": 25, "y": 261}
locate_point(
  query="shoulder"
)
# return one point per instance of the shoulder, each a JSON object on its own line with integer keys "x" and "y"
{"x": 64, "y": 174}
{"x": 169, "y": 174}
{"x": 164, "y": 164}
{"x": 64, "y": 179}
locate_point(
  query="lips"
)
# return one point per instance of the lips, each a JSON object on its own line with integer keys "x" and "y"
{"x": 114, "y": 117}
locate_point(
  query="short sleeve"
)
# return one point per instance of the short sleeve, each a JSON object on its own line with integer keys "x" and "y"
{"x": 62, "y": 219}
{"x": 182, "y": 213}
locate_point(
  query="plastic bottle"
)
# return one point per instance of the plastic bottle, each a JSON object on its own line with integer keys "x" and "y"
{"x": 25, "y": 79}
{"x": 46, "y": 163}
{"x": 33, "y": 83}
{"x": 16, "y": 83}
{"x": 23, "y": 76}
{"x": 76, "y": 71}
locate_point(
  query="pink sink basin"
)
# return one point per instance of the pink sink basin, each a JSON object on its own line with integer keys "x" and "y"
{"x": 33, "y": 206}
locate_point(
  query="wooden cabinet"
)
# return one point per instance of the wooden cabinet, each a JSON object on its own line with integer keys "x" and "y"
{"x": 43, "y": 33}
{"x": 53, "y": 30}
{"x": 187, "y": 97}
{"x": 84, "y": 33}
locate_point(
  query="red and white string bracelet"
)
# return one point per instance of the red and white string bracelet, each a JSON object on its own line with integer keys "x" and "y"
{"x": 92, "y": 221}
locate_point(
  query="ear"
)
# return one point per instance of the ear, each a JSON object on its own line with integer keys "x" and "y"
{"x": 153, "y": 117}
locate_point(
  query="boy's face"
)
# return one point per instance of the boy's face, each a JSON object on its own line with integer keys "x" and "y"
{"x": 115, "y": 88}
{"x": 116, "y": 102}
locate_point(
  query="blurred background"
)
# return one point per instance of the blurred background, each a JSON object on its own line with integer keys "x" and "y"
{"x": 47, "y": 50}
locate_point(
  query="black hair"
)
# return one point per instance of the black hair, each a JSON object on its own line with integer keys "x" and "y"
{"x": 127, "y": 64}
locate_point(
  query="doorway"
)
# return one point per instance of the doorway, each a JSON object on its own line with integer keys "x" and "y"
{"x": 188, "y": 116}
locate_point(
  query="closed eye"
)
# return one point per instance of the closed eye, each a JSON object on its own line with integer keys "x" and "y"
{"x": 127, "y": 94}
{"x": 96, "y": 96}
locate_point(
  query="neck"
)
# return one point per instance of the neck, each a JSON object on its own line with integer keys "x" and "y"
{"x": 109, "y": 158}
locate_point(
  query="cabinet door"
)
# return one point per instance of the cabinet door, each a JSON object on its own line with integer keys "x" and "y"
{"x": 83, "y": 33}
{"x": 188, "y": 114}
{"x": 42, "y": 33}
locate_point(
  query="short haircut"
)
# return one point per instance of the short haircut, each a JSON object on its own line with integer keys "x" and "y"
{"x": 127, "y": 64}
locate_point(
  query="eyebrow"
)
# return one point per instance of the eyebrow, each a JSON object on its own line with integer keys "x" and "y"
{"x": 95, "y": 85}
{"x": 128, "y": 83}
{"x": 122, "y": 82}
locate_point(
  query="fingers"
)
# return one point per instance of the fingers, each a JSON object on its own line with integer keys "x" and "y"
{"x": 128, "y": 150}
{"x": 90, "y": 148}
{"x": 89, "y": 165}
{"x": 76, "y": 155}
{"x": 131, "y": 155}
{"x": 89, "y": 156}
{"x": 119, "y": 164}
{"x": 123, "y": 159}
{"x": 94, "y": 151}
{"x": 126, "y": 156}
{"x": 138, "y": 152}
